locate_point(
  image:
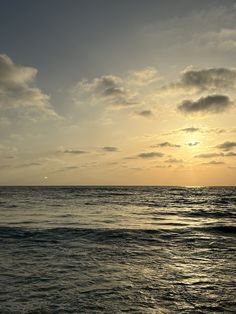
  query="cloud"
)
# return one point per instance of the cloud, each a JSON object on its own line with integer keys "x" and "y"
{"x": 144, "y": 76}
{"x": 173, "y": 161}
{"x": 209, "y": 155}
{"x": 17, "y": 92}
{"x": 108, "y": 90}
{"x": 117, "y": 92}
{"x": 226, "y": 145}
{"x": 190, "y": 130}
{"x": 67, "y": 168}
{"x": 206, "y": 105}
{"x": 74, "y": 151}
{"x": 145, "y": 113}
{"x": 208, "y": 79}
{"x": 213, "y": 162}
{"x": 30, "y": 164}
{"x": 222, "y": 40}
{"x": 150, "y": 155}
{"x": 166, "y": 144}
{"x": 193, "y": 143}
{"x": 110, "y": 149}
{"x": 200, "y": 130}
{"x": 230, "y": 154}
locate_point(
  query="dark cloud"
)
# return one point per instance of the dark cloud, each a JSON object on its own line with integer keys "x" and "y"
{"x": 208, "y": 79}
{"x": 110, "y": 149}
{"x": 208, "y": 104}
{"x": 145, "y": 113}
{"x": 114, "y": 91}
{"x": 150, "y": 155}
{"x": 167, "y": 144}
{"x": 226, "y": 145}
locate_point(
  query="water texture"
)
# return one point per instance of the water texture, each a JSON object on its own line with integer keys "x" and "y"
{"x": 117, "y": 250}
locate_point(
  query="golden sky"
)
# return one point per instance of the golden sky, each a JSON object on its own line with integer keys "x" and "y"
{"x": 150, "y": 101}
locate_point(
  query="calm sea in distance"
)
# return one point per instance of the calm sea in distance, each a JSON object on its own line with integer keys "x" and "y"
{"x": 117, "y": 250}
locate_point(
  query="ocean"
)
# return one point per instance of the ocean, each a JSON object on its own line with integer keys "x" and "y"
{"x": 117, "y": 249}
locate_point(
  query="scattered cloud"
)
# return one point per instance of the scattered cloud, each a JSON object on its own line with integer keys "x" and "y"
{"x": 110, "y": 149}
{"x": 150, "y": 155}
{"x": 226, "y": 145}
{"x": 108, "y": 90}
{"x": 213, "y": 162}
{"x": 145, "y": 113}
{"x": 167, "y": 144}
{"x": 209, "y": 155}
{"x": 190, "y": 130}
{"x": 173, "y": 161}
{"x": 201, "y": 130}
{"x": 206, "y": 105}
{"x": 74, "y": 151}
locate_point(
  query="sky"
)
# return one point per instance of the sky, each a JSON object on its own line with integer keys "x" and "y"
{"x": 128, "y": 92}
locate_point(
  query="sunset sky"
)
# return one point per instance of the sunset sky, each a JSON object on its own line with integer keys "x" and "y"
{"x": 127, "y": 92}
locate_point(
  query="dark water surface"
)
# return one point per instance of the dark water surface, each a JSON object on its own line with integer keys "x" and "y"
{"x": 117, "y": 250}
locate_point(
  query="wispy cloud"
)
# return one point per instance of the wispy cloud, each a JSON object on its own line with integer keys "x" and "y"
{"x": 148, "y": 155}
{"x": 213, "y": 163}
{"x": 174, "y": 161}
{"x": 212, "y": 155}
{"x": 74, "y": 151}
{"x": 110, "y": 149}
{"x": 166, "y": 144}
{"x": 209, "y": 155}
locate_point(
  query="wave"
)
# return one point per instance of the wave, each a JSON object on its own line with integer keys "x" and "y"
{"x": 128, "y": 236}
{"x": 225, "y": 230}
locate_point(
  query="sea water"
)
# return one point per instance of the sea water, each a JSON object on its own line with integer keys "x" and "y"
{"x": 117, "y": 249}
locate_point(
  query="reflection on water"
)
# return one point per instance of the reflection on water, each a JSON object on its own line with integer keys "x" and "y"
{"x": 120, "y": 249}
